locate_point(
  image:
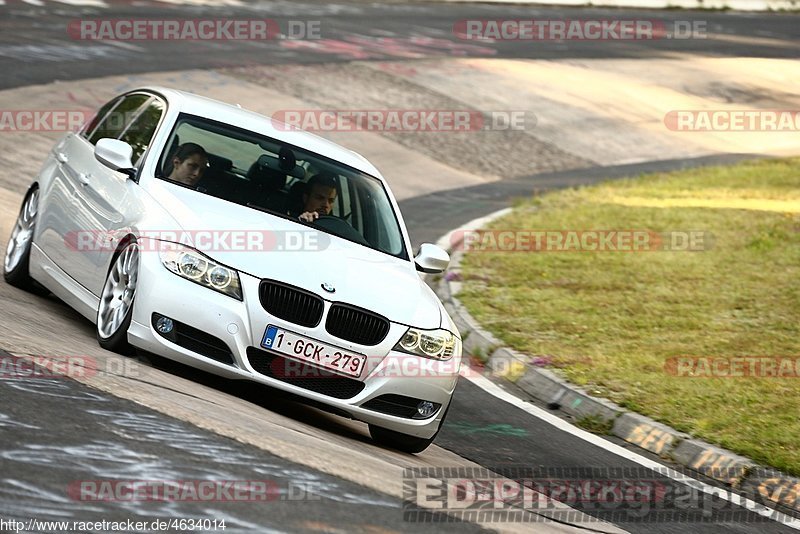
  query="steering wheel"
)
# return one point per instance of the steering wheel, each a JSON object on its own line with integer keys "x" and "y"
{"x": 340, "y": 227}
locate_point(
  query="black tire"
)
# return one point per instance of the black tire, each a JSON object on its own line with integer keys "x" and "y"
{"x": 19, "y": 275}
{"x": 404, "y": 442}
{"x": 118, "y": 340}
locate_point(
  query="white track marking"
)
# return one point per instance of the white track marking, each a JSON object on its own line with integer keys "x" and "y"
{"x": 495, "y": 390}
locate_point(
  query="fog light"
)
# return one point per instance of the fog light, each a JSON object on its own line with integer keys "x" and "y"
{"x": 426, "y": 409}
{"x": 164, "y": 325}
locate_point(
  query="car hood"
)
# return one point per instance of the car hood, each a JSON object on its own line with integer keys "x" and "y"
{"x": 267, "y": 246}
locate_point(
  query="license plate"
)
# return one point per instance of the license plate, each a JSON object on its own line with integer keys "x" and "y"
{"x": 313, "y": 352}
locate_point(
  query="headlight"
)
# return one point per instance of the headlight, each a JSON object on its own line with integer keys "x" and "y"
{"x": 436, "y": 344}
{"x": 192, "y": 265}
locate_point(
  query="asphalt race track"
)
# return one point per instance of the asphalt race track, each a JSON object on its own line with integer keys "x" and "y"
{"x": 165, "y": 421}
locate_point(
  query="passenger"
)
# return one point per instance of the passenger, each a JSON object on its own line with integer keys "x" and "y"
{"x": 188, "y": 164}
{"x": 319, "y": 196}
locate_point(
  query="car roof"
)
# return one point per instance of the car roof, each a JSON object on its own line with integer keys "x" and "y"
{"x": 234, "y": 115}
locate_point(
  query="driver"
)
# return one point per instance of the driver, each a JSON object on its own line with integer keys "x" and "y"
{"x": 319, "y": 197}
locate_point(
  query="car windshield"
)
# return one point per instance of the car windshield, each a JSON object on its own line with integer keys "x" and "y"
{"x": 267, "y": 175}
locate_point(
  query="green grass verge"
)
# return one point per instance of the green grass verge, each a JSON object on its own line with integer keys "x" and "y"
{"x": 610, "y": 320}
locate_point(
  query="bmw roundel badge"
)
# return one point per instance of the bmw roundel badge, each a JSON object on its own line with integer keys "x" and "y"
{"x": 328, "y": 287}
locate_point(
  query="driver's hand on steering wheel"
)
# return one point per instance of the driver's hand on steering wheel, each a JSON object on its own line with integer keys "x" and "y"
{"x": 309, "y": 216}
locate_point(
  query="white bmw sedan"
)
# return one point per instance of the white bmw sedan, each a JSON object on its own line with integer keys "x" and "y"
{"x": 220, "y": 238}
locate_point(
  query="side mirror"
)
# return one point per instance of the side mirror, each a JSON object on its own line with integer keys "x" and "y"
{"x": 431, "y": 259}
{"x": 116, "y": 155}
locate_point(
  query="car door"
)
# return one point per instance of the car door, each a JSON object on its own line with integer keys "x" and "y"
{"x": 118, "y": 193}
{"x": 57, "y": 196}
{"x": 97, "y": 194}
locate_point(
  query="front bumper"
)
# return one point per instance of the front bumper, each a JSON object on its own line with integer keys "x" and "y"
{"x": 240, "y": 325}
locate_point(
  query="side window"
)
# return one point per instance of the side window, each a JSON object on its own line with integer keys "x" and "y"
{"x": 90, "y": 126}
{"x": 139, "y": 132}
{"x": 113, "y": 124}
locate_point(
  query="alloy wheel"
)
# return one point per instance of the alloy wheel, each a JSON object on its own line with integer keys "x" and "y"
{"x": 116, "y": 298}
